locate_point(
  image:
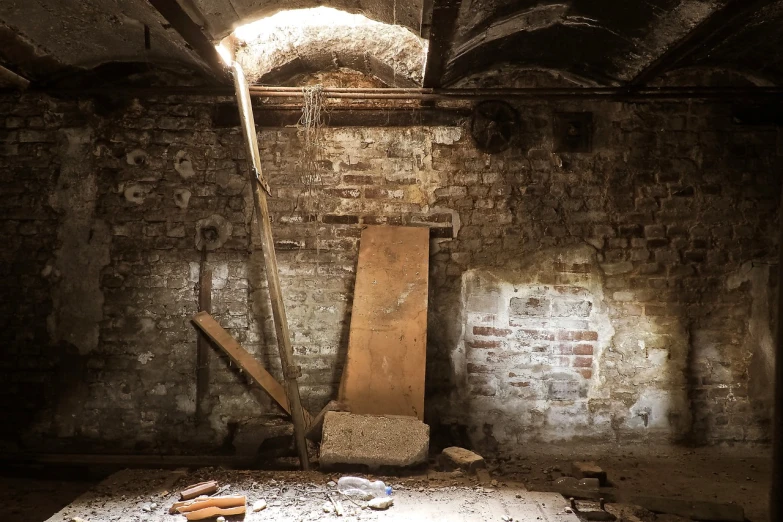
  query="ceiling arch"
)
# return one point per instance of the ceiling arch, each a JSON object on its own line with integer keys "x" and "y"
{"x": 221, "y": 17}
{"x": 298, "y": 41}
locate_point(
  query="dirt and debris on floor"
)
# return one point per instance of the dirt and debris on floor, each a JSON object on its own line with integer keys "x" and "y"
{"x": 143, "y": 495}
{"x": 725, "y": 475}
{"x": 738, "y": 475}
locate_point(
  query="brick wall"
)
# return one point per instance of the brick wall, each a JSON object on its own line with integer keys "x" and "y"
{"x": 622, "y": 294}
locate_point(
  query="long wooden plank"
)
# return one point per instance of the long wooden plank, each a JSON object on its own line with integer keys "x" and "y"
{"x": 223, "y": 340}
{"x": 384, "y": 370}
{"x": 291, "y": 371}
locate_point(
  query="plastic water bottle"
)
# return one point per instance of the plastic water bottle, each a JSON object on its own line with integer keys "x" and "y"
{"x": 363, "y": 488}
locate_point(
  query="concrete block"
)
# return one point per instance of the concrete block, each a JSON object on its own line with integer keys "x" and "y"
{"x": 373, "y": 440}
{"x": 461, "y": 458}
{"x": 589, "y": 470}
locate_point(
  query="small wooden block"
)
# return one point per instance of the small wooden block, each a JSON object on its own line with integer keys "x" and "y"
{"x": 460, "y": 458}
{"x": 212, "y": 512}
{"x": 585, "y": 469}
{"x": 202, "y": 488}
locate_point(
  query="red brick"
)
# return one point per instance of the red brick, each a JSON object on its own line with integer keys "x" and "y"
{"x": 520, "y": 384}
{"x": 478, "y": 368}
{"x": 587, "y": 374}
{"x": 577, "y": 335}
{"x": 488, "y": 331}
{"x": 359, "y": 165}
{"x": 484, "y": 345}
{"x": 382, "y": 220}
{"x": 381, "y": 193}
{"x": 337, "y": 219}
{"x": 583, "y": 362}
{"x": 345, "y": 193}
{"x": 353, "y": 179}
{"x": 560, "y": 362}
{"x": 583, "y": 349}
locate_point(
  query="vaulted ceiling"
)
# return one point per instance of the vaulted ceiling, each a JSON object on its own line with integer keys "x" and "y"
{"x": 597, "y": 42}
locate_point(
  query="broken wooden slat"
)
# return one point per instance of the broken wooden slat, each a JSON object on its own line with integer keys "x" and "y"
{"x": 693, "y": 509}
{"x": 212, "y": 512}
{"x": 220, "y": 502}
{"x": 384, "y": 369}
{"x": 202, "y": 488}
{"x": 242, "y": 358}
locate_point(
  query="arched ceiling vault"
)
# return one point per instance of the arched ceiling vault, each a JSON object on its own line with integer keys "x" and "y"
{"x": 603, "y": 42}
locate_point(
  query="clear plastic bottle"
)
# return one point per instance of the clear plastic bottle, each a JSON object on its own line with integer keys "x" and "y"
{"x": 363, "y": 488}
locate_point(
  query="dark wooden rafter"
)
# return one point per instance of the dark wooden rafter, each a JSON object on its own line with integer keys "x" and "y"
{"x": 713, "y": 28}
{"x": 194, "y": 35}
{"x": 10, "y": 77}
{"x": 444, "y": 24}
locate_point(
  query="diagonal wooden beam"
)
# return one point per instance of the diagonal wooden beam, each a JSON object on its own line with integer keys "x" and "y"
{"x": 716, "y": 26}
{"x": 444, "y": 25}
{"x": 10, "y": 77}
{"x": 192, "y": 33}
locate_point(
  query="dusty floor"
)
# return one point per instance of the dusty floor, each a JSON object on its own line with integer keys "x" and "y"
{"x": 145, "y": 495}
{"x": 36, "y": 496}
{"x": 724, "y": 474}
{"x": 737, "y": 475}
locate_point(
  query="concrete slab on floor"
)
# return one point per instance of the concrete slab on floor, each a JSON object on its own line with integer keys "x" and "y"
{"x": 145, "y": 496}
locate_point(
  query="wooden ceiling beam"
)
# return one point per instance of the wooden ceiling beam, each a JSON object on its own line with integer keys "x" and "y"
{"x": 442, "y": 29}
{"x": 194, "y": 35}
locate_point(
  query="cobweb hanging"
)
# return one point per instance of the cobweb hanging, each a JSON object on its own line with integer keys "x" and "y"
{"x": 310, "y": 155}
{"x": 312, "y": 143}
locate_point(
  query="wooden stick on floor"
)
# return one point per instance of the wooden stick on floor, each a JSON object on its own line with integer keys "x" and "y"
{"x": 290, "y": 370}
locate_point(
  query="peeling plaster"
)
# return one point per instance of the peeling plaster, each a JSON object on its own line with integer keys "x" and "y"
{"x": 77, "y": 307}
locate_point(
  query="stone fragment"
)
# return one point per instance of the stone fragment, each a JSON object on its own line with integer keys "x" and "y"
{"x": 373, "y": 440}
{"x": 381, "y": 503}
{"x": 455, "y": 457}
{"x": 693, "y": 509}
{"x": 571, "y": 487}
{"x": 221, "y": 519}
{"x": 259, "y": 505}
{"x": 583, "y": 469}
{"x": 327, "y": 507}
{"x": 483, "y": 476}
